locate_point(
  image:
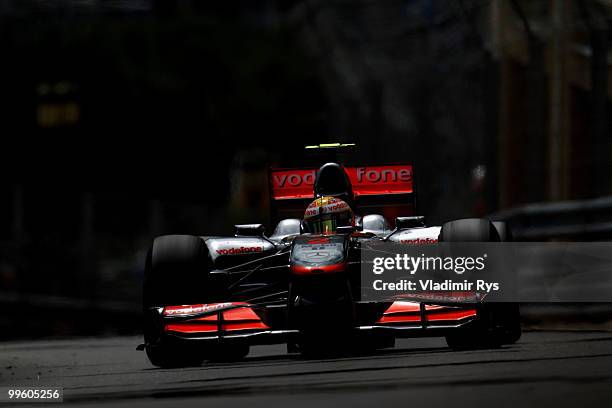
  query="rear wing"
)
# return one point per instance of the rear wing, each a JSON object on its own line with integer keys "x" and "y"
{"x": 386, "y": 190}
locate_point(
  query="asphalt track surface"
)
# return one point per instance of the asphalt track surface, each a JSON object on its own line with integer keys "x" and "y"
{"x": 545, "y": 369}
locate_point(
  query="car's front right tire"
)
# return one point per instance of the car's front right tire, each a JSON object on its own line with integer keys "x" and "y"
{"x": 498, "y": 323}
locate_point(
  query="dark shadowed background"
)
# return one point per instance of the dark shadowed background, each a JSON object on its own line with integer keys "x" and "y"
{"x": 123, "y": 120}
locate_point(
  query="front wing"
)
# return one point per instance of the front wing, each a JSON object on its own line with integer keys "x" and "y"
{"x": 269, "y": 324}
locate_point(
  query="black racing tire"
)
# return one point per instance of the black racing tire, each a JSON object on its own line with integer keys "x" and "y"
{"x": 469, "y": 230}
{"x": 499, "y": 323}
{"x": 511, "y": 314}
{"x": 176, "y": 269}
{"x": 173, "y": 356}
{"x": 504, "y": 232}
{"x": 509, "y": 317}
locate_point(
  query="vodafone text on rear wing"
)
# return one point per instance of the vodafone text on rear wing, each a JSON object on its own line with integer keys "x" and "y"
{"x": 386, "y": 190}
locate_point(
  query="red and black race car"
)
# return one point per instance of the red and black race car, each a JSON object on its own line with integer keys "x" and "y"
{"x": 211, "y": 298}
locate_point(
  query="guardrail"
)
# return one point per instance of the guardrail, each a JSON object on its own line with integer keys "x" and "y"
{"x": 576, "y": 220}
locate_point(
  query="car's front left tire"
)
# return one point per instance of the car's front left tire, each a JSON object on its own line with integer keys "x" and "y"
{"x": 176, "y": 269}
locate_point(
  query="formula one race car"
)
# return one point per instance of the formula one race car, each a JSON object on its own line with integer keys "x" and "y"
{"x": 211, "y": 298}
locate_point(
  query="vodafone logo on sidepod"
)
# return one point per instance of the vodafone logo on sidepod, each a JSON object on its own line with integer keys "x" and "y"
{"x": 240, "y": 250}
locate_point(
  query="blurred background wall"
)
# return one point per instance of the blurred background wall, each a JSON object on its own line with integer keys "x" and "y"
{"x": 123, "y": 120}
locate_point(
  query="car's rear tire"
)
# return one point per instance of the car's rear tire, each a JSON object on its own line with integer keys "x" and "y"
{"x": 499, "y": 323}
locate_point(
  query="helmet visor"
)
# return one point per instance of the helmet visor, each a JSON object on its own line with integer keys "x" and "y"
{"x": 324, "y": 226}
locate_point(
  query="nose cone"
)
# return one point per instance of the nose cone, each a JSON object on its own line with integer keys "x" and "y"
{"x": 318, "y": 254}
{"x": 317, "y": 270}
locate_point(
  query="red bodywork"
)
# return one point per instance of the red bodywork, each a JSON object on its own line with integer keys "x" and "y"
{"x": 305, "y": 270}
{"x": 412, "y": 312}
{"x": 387, "y": 190}
{"x": 365, "y": 180}
{"x": 223, "y": 317}
{"x": 239, "y": 317}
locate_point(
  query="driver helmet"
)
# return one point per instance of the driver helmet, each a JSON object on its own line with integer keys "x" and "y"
{"x": 325, "y": 214}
